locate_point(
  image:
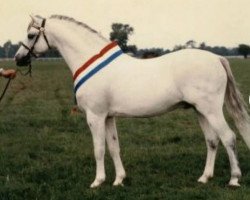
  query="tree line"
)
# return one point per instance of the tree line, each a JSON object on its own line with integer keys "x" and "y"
{"x": 121, "y": 32}
{"x": 8, "y": 50}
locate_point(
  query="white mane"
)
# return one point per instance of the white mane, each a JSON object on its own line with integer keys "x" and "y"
{"x": 72, "y": 20}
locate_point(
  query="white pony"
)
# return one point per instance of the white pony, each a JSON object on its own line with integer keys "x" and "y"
{"x": 109, "y": 84}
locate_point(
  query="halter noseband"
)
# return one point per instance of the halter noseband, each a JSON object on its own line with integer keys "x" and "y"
{"x": 41, "y": 30}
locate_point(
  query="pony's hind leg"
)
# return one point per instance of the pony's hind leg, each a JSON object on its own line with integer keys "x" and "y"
{"x": 212, "y": 141}
{"x": 114, "y": 149}
{"x": 213, "y": 112}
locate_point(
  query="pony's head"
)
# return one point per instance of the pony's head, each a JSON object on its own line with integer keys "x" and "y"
{"x": 35, "y": 43}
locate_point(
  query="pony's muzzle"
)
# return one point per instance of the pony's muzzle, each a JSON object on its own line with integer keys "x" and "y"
{"x": 23, "y": 60}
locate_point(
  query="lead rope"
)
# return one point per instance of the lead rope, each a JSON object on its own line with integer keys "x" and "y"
{"x": 5, "y": 89}
{"x": 29, "y": 72}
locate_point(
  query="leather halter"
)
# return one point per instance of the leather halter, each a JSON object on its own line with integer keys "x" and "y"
{"x": 41, "y": 30}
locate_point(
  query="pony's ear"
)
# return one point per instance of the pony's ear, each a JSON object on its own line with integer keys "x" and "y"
{"x": 32, "y": 17}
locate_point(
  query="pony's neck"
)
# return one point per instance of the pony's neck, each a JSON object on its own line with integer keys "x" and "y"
{"x": 75, "y": 43}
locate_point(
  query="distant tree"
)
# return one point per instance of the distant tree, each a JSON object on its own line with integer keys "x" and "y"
{"x": 2, "y": 52}
{"x": 132, "y": 49}
{"x": 7, "y": 46}
{"x": 190, "y": 44}
{"x": 151, "y": 53}
{"x": 13, "y": 50}
{"x": 223, "y": 51}
{"x": 202, "y": 45}
{"x": 179, "y": 47}
{"x": 52, "y": 53}
{"x": 233, "y": 51}
{"x": 244, "y": 50}
{"x": 120, "y": 33}
{"x": 8, "y": 50}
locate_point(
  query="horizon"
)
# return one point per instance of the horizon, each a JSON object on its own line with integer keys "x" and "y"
{"x": 171, "y": 49}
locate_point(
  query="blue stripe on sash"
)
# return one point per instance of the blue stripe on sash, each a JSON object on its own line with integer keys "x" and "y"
{"x": 97, "y": 68}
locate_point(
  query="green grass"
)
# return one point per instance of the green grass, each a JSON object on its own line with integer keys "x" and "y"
{"x": 46, "y": 153}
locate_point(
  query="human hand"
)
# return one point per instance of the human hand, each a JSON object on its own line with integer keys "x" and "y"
{"x": 9, "y": 73}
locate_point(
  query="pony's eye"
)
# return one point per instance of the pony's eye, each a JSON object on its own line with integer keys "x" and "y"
{"x": 31, "y": 36}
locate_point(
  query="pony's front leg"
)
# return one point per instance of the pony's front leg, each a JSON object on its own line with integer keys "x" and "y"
{"x": 114, "y": 149}
{"x": 97, "y": 126}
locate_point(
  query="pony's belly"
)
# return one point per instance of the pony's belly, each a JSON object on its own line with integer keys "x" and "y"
{"x": 123, "y": 113}
{"x": 143, "y": 100}
{"x": 142, "y": 109}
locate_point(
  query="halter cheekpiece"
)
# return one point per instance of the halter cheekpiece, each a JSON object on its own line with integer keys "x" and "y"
{"x": 41, "y": 30}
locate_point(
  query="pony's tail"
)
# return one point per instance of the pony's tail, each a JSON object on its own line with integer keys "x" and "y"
{"x": 235, "y": 104}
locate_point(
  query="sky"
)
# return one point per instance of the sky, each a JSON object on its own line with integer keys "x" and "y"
{"x": 157, "y": 23}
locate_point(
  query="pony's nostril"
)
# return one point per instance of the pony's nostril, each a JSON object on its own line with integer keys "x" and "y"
{"x": 17, "y": 57}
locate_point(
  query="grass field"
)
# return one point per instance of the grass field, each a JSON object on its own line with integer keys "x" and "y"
{"x": 46, "y": 153}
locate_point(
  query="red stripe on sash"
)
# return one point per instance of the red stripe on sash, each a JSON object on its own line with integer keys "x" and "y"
{"x": 94, "y": 58}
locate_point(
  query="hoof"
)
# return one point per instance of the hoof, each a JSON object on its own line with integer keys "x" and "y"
{"x": 234, "y": 183}
{"x": 97, "y": 183}
{"x": 118, "y": 181}
{"x": 203, "y": 179}
{"x": 118, "y": 184}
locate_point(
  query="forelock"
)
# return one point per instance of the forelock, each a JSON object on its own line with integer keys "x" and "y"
{"x": 33, "y": 22}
